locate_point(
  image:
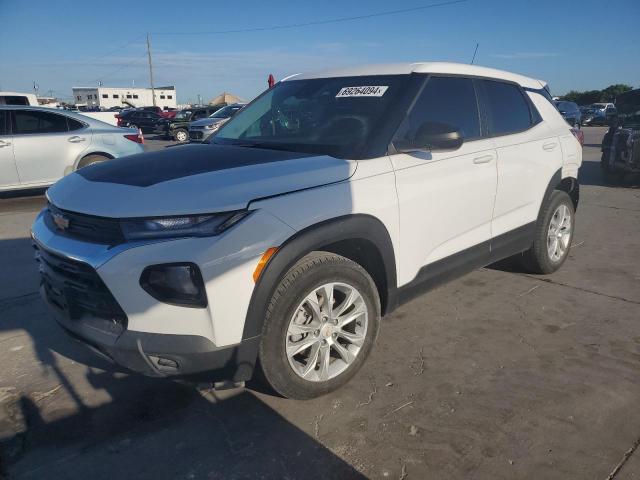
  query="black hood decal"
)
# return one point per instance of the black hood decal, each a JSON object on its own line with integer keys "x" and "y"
{"x": 146, "y": 169}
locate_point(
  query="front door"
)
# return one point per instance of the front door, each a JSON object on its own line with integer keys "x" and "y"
{"x": 445, "y": 198}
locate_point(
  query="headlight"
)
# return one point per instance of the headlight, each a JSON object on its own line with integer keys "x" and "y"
{"x": 215, "y": 126}
{"x": 184, "y": 226}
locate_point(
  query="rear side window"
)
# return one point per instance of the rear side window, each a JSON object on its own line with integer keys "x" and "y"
{"x": 507, "y": 110}
{"x": 449, "y": 100}
{"x": 34, "y": 121}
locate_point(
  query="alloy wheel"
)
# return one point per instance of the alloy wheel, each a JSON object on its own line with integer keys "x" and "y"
{"x": 326, "y": 332}
{"x": 559, "y": 233}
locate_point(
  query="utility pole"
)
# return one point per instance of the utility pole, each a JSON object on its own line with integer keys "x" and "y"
{"x": 153, "y": 92}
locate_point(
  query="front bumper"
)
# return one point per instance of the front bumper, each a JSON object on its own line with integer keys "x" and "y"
{"x": 200, "y": 135}
{"x": 95, "y": 295}
{"x": 91, "y": 315}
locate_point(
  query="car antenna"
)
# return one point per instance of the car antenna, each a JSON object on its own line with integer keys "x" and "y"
{"x": 474, "y": 53}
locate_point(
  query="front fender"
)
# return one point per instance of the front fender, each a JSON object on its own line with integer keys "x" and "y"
{"x": 348, "y": 227}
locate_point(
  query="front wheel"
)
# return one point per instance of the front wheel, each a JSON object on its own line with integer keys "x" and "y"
{"x": 320, "y": 326}
{"x": 181, "y": 135}
{"x": 554, "y": 234}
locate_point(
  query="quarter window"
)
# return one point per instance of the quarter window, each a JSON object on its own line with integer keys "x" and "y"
{"x": 33, "y": 121}
{"x": 507, "y": 110}
{"x": 74, "y": 124}
{"x": 449, "y": 100}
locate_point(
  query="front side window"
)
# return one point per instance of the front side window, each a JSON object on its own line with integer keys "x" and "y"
{"x": 183, "y": 115}
{"x": 507, "y": 110}
{"x": 444, "y": 100}
{"x": 331, "y": 116}
{"x": 34, "y": 121}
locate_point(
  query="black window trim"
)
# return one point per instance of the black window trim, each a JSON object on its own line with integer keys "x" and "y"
{"x": 11, "y": 118}
{"x": 527, "y": 101}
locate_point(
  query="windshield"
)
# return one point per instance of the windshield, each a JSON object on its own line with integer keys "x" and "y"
{"x": 183, "y": 115}
{"x": 331, "y": 116}
{"x": 566, "y": 106}
{"x": 224, "y": 112}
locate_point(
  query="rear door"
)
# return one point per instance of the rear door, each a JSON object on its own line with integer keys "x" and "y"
{"x": 44, "y": 146}
{"x": 8, "y": 171}
{"x": 529, "y": 154}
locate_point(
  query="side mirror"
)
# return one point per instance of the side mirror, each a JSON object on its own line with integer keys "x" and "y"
{"x": 431, "y": 136}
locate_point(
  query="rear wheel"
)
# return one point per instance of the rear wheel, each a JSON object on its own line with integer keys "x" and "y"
{"x": 554, "y": 234}
{"x": 91, "y": 160}
{"x": 320, "y": 326}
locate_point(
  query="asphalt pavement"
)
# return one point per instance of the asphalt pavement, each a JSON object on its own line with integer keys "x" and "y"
{"x": 498, "y": 375}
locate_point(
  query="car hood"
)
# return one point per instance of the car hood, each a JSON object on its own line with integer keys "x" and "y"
{"x": 206, "y": 121}
{"x": 192, "y": 179}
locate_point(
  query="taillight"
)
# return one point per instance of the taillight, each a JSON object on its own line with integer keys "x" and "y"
{"x": 579, "y": 134}
{"x": 138, "y": 138}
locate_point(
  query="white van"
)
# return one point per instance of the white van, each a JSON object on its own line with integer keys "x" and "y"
{"x": 16, "y": 98}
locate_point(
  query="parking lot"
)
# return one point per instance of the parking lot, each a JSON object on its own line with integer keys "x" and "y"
{"x": 510, "y": 376}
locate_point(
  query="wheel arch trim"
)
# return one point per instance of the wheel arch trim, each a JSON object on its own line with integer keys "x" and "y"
{"x": 315, "y": 237}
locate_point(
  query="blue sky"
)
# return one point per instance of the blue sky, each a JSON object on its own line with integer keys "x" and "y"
{"x": 569, "y": 43}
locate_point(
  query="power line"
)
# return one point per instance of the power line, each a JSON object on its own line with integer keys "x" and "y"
{"x": 122, "y": 67}
{"x": 317, "y": 22}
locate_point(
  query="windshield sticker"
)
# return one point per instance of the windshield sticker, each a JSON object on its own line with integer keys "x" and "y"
{"x": 368, "y": 91}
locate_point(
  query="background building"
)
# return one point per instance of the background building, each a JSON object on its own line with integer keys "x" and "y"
{"x": 107, "y": 97}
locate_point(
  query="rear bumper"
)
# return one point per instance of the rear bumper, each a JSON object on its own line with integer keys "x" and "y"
{"x": 161, "y": 355}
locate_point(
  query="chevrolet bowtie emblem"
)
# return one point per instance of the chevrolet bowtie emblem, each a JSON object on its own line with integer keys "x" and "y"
{"x": 61, "y": 221}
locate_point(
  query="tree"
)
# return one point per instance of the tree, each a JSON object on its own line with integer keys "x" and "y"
{"x": 610, "y": 93}
{"x": 588, "y": 97}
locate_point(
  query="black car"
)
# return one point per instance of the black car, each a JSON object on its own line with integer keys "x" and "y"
{"x": 570, "y": 112}
{"x": 178, "y": 126}
{"x": 142, "y": 119}
{"x": 621, "y": 143}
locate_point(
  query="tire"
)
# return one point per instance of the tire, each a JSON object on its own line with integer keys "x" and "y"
{"x": 91, "y": 160}
{"x": 181, "y": 135}
{"x": 539, "y": 259}
{"x": 290, "y": 310}
{"x": 132, "y": 125}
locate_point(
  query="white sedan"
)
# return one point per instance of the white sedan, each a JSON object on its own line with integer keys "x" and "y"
{"x": 38, "y": 146}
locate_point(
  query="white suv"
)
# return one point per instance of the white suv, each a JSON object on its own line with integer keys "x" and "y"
{"x": 319, "y": 208}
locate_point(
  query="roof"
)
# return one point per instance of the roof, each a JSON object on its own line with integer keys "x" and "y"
{"x": 423, "y": 67}
{"x": 225, "y": 97}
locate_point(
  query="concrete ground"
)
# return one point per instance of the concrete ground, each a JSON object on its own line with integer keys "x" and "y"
{"x": 498, "y": 375}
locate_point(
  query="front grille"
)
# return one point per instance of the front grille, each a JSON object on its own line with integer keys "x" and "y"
{"x": 195, "y": 135}
{"x": 87, "y": 227}
{"x": 76, "y": 289}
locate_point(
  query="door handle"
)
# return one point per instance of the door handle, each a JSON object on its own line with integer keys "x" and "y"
{"x": 4, "y": 143}
{"x": 549, "y": 146}
{"x": 483, "y": 159}
{"x": 76, "y": 139}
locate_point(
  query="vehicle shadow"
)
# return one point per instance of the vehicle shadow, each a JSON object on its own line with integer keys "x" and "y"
{"x": 168, "y": 431}
{"x": 591, "y": 174}
{"x": 128, "y": 425}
